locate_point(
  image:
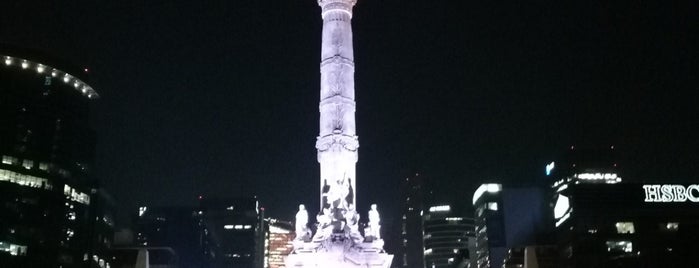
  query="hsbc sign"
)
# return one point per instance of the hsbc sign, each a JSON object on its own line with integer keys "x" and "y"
{"x": 671, "y": 193}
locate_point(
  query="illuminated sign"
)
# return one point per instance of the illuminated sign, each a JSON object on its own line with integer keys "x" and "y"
{"x": 549, "y": 168}
{"x": 671, "y": 193}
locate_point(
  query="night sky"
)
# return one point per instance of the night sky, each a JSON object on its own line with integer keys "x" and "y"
{"x": 220, "y": 98}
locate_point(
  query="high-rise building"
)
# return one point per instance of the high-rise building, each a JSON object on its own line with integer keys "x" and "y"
{"x": 176, "y": 228}
{"x": 508, "y": 216}
{"x": 448, "y": 236}
{"x": 338, "y": 242}
{"x": 627, "y": 225}
{"x": 232, "y": 232}
{"x": 278, "y": 245}
{"x": 490, "y": 226}
{"x": 600, "y": 220}
{"x": 52, "y": 211}
{"x": 411, "y": 248}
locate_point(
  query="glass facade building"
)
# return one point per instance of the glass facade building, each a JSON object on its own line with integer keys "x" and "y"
{"x": 52, "y": 211}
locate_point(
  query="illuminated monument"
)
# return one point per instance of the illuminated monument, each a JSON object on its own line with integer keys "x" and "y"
{"x": 337, "y": 241}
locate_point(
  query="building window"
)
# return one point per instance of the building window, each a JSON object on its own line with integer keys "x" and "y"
{"x": 620, "y": 246}
{"x": 24, "y": 180}
{"x": 13, "y": 249}
{"x": 625, "y": 228}
{"x": 493, "y": 206}
{"x": 672, "y": 226}
{"x": 9, "y": 160}
{"x": 28, "y": 164}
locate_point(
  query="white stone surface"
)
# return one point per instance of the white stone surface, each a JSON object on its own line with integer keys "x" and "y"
{"x": 337, "y": 142}
{"x": 337, "y": 242}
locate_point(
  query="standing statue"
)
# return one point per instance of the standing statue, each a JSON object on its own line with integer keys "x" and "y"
{"x": 301, "y": 223}
{"x": 374, "y": 223}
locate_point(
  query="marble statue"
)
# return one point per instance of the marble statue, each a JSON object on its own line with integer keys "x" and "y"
{"x": 374, "y": 223}
{"x": 301, "y": 223}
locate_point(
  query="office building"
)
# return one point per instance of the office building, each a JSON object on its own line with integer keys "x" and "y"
{"x": 278, "y": 242}
{"x": 53, "y": 212}
{"x": 232, "y": 232}
{"x": 489, "y": 226}
{"x": 510, "y": 216}
{"x": 411, "y": 249}
{"x": 447, "y": 237}
{"x": 627, "y": 225}
{"x": 176, "y": 228}
{"x": 601, "y": 220}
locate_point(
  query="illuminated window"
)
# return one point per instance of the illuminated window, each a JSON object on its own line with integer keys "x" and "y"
{"x": 625, "y": 228}
{"x": 13, "y": 249}
{"x": 24, "y": 180}
{"x": 44, "y": 166}
{"x": 28, "y": 164}
{"x": 9, "y": 160}
{"x": 672, "y": 226}
{"x": 619, "y": 246}
{"x": 79, "y": 197}
{"x": 493, "y": 206}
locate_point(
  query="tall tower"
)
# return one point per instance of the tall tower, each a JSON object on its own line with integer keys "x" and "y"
{"x": 337, "y": 242}
{"x": 337, "y": 142}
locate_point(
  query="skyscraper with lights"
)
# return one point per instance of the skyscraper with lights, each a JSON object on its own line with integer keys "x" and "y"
{"x": 52, "y": 211}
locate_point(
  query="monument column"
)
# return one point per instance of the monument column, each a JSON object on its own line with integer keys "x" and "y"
{"x": 337, "y": 141}
{"x": 338, "y": 241}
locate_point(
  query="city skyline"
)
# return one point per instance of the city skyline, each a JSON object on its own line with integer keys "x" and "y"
{"x": 219, "y": 98}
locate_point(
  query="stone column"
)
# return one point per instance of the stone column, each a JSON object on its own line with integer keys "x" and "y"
{"x": 337, "y": 141}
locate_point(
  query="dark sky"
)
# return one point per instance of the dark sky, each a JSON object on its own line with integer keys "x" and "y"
{"x": 220, "y": 97}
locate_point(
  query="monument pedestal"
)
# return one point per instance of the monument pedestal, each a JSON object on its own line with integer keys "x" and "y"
{"x": 338, "y": 251}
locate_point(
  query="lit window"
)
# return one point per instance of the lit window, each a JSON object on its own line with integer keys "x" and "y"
{"x": 44, "y": 166}
{"x": 28, "y": 164}
{"x": 672, "y": 226}
{"x": 625, "y": 228}
{"x": 9, "y": 160}
{"x": 24, "y": 180}
{"x": 493, "y": 206}
{"x": 619, "y": 246}
{"x": 13, "y": 249}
